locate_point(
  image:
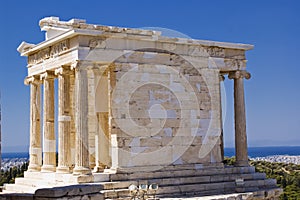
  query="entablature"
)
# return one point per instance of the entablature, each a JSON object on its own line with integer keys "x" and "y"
{"x": 76, "y": 40}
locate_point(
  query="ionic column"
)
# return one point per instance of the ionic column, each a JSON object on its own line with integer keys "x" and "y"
{"x": 241, "y": 148}
{"x": 102, "y": 132}
{"x": 64, "y": 119}
{"x": 81, "y": 122}
{"x": 35, "y": 150}
{"x": 49, "y": 143}
{"x": 72, "y": 114}
{"x": 221, "y": 79}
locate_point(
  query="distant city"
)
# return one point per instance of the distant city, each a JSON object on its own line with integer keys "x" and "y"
{"x": 8, "y": 163}
{"x": 271, "y": 154}
{"x": 279, "y": 159}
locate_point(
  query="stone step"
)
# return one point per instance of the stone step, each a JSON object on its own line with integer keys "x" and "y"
{"x": 119, "y": 193}
{"x": 181, "y": 173}
{"x": 32, "y": 182}
{"x": 58, "y": 178}
{"x": 120, "y": 189}
{"x": 200, "y": 188}
{"x": 186, "y": 180}
{"x": 37, "y": 182}
{"x": 203, "y": 179}
{"x": 101, "y": 177}
{"x": 16, "y": 196}
{"x": 98, "y": 177}
{"x": 209, "y": 195}
{"x": 190, "y": 189}
{"x": 196, "y": 188}
{"x": 118, "y": 185}
{"x": 39, "y": 175}
{"x": 183, "y": 180}
{"x": 266, "y": 183}
{"x": 204, "y": 195}
{"x": 29, "y": 182}
{"x": 177, "y": 190}
{"x": 13, "y": 188}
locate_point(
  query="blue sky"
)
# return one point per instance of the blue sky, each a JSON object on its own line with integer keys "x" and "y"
{"x": 273, "y": 26}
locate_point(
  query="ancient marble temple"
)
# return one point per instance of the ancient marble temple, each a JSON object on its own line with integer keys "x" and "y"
{"x": 133, "y": 108}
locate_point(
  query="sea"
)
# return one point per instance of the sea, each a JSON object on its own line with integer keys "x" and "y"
{"x": 228, "y": 152}
{"x": 254, "y": 152}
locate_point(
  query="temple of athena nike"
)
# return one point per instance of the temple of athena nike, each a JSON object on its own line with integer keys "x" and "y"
{"x": 121, "y": 113}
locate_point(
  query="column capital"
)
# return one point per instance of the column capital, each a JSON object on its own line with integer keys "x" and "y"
{"x": 47, "y": 75}
{"x": 221, "y": 77}
{"x": 35, "y": 79}
{"x": 74, "y": 65}
{"x": 82, "y": 64}
{"x": 239, "y": 74}
{"x": 63, "y": 70}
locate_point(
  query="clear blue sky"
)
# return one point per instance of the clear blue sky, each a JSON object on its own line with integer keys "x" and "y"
{"x": 273, "y": 26}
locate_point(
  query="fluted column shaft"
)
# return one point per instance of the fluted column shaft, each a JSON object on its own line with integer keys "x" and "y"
{"x": 102, "y": 133}
{"x": 72, "y": 114}
{"x": 81, "y": 119}
{"x": 64, "y": 119}
{"x": 35, "y": 150}
{"x": 49, "y": 145}
{"x": 221, "y": 78}
{"x": 241, "y": 147}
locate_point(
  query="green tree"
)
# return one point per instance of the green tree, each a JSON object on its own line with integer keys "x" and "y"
{"x": 10, "y": 175}
{"x": 287, "y": 176}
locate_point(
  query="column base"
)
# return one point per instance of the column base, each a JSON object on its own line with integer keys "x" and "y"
{"x": 82, "y": 178}
{"x": 98, "y": 169}
{"x": 241, "y": 164}
{"x": 48, "y": 168}
{"x": 82, "y": 171}
{"x": 92, "y": 165}
{"x": 34, "y": 168}
{"x": 63, "y": 169}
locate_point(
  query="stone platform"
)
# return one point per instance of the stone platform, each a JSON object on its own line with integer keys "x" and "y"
{"x": 231, "y": 182}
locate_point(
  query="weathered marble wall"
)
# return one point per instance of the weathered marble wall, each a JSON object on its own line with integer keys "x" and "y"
{"x": 164, "y": 110}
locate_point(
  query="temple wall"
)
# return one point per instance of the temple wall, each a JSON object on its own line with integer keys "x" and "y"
{"x": 164, "y": 109}
{"x": 175, "y": 109}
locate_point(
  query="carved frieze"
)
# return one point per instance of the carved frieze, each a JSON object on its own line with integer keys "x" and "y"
{"x": 216, "y": 51}
{"x": 235, "y": 63}
{"x": 49, "y": 52}
{"x": 239, "y": 74}
{"x": 97, "y": 43}
{"x": 198, "y": 51}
